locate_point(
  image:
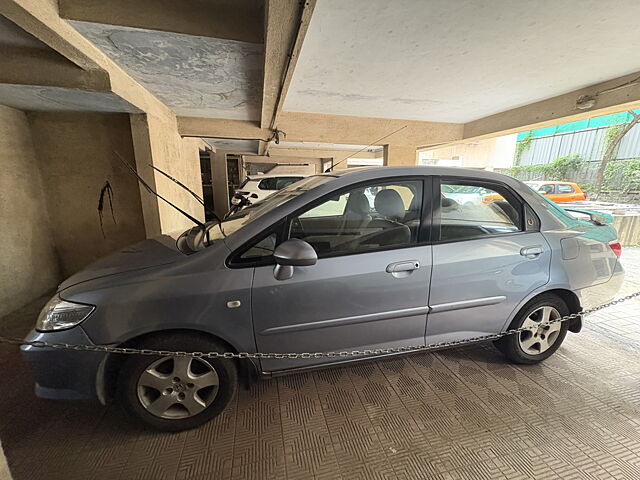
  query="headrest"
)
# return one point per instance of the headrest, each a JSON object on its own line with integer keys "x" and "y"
{"x": 389, "y": 203}
{"x": 358, "y": 203}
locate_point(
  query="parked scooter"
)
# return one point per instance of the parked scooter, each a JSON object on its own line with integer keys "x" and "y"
{"x": 238, "y": 202}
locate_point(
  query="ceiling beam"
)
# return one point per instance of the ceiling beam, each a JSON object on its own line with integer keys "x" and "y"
{"x": 221, "y": 128}
{"x": 313, "y": 127}
{"x": 612, "y": 96}
{"x": 27, "y": 66}
{"x": 31, "y": 17}
{"x": 322, "y": 152}
{"x": 282, "y": 19}
{"x": 345, "y": 129}
{"x": 241, "y": 21}
{"x": 41, "y": 20}
{"x": 287, "y": 22}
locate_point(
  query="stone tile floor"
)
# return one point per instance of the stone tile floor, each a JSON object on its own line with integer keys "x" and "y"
{"x": 462, "y": 413}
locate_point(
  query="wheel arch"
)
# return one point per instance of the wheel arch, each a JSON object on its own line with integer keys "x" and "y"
{"x": 108, "y": 372}
{"x": 573, "y": 303}
{"x": 569, "y": 297}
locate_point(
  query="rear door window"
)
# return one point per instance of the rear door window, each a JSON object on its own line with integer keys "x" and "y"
{"x": 268, "y": 184}
{"x": 282, "y": 182}
{"x": 497, "y": 211}
{"x": 565, "y": 189}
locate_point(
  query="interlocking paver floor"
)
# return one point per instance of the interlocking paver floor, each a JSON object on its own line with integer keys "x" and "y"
{"x": 462, "y": 413}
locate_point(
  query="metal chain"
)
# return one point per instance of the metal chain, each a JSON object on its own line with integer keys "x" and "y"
{"x": 352, "y": 353}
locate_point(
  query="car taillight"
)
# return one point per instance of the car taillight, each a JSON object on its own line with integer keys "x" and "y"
{"x": 617, "y": 248}
{"x": 584, "y": 196}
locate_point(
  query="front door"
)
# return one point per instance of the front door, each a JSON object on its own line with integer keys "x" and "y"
{"x": 369, "y": 288}
{"x": 487, "y": 257}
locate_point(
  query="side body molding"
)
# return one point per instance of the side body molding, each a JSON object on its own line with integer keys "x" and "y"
{"x": 476, "y": 302}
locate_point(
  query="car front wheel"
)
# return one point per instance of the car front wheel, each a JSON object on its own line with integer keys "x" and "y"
{"x": 177, "y": 393}
{"x": 533, "y": 346}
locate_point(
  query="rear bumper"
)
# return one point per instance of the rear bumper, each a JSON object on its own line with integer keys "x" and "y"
{"x": 63, "y": 374}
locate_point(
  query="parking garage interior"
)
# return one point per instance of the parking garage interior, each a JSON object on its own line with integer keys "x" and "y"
{"x": 213, "y": 92}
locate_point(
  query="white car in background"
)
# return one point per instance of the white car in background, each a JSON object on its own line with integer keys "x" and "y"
{"x": 257, "y": 187}
{"x": 464, "y": 194}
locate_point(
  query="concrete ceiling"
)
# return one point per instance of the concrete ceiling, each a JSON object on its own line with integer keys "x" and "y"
{"x": 193, "y": 75}
{"x": 447, "y": 61}
{"x": 233, "y": 145}
{"x": 56, "y": 99}
{"x": 12, "y": 35}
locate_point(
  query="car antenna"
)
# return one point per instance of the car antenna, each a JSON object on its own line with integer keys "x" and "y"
{"x": 146, "y": 185}
{"x": 194, "y": 194}
{"x": 362, "y": 149}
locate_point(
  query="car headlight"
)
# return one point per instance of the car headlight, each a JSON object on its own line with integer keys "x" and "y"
{"x": 59, "y": 314}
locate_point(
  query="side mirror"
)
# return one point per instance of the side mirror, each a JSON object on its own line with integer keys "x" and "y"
{"x": 542, "y": 192}
{"x": 253, "y": 195}
{"x": 290, "y": 254}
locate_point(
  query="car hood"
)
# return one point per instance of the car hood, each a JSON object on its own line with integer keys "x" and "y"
{"x": 148, "y": 253}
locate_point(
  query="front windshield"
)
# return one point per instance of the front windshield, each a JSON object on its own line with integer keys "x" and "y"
{"x": 533, "y": 185}
{"x": 256, "y": 210}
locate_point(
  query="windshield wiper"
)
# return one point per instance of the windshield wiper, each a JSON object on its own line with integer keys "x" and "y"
{"x": 197, "y": 197}
{"x": 148, "y": 187}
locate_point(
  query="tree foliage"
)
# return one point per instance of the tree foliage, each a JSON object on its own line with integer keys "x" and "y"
{"x": 623, "y": 175}
{"x": 560, "y": 169}
{"x": 521, "y": 147}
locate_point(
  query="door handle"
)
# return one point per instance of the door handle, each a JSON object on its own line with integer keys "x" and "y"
{"x": 406, "y": 266}
{"x": 531, "y": 252}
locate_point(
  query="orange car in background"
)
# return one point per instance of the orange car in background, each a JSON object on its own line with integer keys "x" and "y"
{"x": 555, "y": 191}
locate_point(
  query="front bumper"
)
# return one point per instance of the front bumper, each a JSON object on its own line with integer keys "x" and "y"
{"x": 63, "y": 374}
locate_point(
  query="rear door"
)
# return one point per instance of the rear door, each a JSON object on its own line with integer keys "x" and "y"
{"x": 566, "y": 193}
{"x": 486, "y": 259}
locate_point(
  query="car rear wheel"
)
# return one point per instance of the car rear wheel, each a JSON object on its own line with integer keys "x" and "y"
{"x": 177, "y": 393}
{"x": 535, "y": 345}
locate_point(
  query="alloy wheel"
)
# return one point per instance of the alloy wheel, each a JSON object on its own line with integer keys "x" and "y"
{"x": 540, "y": 338}
{"x": 177, "y": 387}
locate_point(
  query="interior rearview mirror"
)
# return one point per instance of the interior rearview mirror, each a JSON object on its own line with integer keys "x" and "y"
{"x": 290, "y": 254}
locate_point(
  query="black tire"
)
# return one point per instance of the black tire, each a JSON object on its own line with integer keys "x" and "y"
{"x": 135, "y": 366}
{"x": 510, "y": 345}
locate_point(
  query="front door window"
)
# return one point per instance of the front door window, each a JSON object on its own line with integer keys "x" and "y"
{"x": 366, "y": 218}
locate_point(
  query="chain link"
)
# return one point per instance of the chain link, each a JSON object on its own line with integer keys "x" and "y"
{"x": 342, "y": 354}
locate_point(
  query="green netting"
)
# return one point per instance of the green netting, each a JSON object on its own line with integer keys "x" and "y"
{"x": 595, "y": 122}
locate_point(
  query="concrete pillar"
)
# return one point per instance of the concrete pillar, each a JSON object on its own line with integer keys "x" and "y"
{"x": 220, "y": 180}
{"x": 5, "y": 474}
{"x": 400, "y": 155}
{"x": 339, "y": 163}
{"x": 144, "y": 158}
{"x": 156, "y": 142}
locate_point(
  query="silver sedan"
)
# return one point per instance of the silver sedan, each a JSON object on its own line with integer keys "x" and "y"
{"x": 356, "y": 260}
